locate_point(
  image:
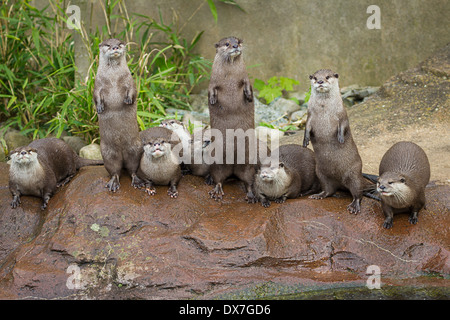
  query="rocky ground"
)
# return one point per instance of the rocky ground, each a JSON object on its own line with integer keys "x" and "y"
{"x": 92, "y": 244}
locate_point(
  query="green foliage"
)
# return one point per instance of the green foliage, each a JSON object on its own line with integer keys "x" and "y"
{"x": 37, "y": 67}
{"x": 274, "y": 87}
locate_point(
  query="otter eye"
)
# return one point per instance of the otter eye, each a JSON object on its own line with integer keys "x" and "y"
{"x": 315, "y": 79}
{"x": 327, "y": 77}
{"x": 227, "y": 44}
{"x": 172, "y": 122}
{"x": 163, "y": 142}
{"x": 390, "y": 182}
{"x": 402, "y": 180}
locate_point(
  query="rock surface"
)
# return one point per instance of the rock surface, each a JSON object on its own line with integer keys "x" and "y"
{"x": 91, "y": 243}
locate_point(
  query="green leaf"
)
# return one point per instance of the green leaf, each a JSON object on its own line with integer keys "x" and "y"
{"x": 213, "y": 9}
{"x": 259, "y": 84}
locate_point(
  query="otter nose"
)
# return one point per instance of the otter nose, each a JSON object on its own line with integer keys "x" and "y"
{"x": 115, "y": 48}
{"x": 235, "y": 45}
{"x": 23, "y": 153}
{"x": 382, "y": 187}
{"x": 320, "y": 81}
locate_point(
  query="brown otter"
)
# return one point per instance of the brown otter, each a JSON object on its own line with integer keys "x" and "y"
{"x": 291, "y": 177}
{"x": 159, "y": 165}
{"x": 42, "y": 166}
{"x": 115, "y": 98}
{"x": 338, "y": 163}
{"x": 231, "y": 107}
{"x": 404, "y": 172}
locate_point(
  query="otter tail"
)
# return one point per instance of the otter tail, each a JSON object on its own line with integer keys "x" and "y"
{"x": 88, "y": 162}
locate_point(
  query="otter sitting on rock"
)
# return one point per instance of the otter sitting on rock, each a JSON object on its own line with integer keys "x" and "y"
{"x": 291, "y": 177}
{"x": 41, "y": 167}
{"x": 159, "y": 164}
{"x": 404, "y": 173}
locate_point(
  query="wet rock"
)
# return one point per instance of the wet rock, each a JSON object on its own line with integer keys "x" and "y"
{"x": 91, "y": 243}
{"x": 91, "y": 151}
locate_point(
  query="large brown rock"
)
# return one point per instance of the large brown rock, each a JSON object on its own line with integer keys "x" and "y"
{"x": 131, "y": 245}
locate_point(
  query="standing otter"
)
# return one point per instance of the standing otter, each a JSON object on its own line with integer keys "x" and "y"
{"x": 231, "y": 106}
{"x": 338, "y": 163}
{"x": 159, "y": 164}
{"x": 115, "y": 98}
{"x": 404, "y": 173}
{"x": 292, "y": 177}
{"x": 42, "y": 166}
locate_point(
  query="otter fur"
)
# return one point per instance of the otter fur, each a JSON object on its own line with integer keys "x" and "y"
{"x": 115, "y": 99}
{"x": 41, "y": 167}
{"x": 338, "y": 163}
{"x": 231, "y": 106}
{"x": 291, "y": 177}
{"x": 404, "y": 173}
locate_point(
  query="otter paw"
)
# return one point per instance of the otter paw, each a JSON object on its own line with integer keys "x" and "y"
{"x": 213, "y": 100}
{"x": 151, "y": 191}
{"x": 15, "y": 203}
{"x": 128, "y": 100}
{"x": 413, "y": 219}
{"x": 280, "y": 200}
{"x": 216, "y": 194}
{"x": 265, "y": 203}
{"x": 172, "y": 193}
{"x": 100, "y": 107}
{"x": 113, "y": 185}
{"x": 317, "y": 196}
{"x": 388, "y": 222}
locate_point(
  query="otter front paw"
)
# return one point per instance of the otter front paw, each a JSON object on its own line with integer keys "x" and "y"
{"x": 100, "y": 107}
{"x": 280, "y": 200}
{"x": 172, "y": 192}
{"x": 213, "y": 100}
{"x": 248, "y": 95}
{"x": 128, "y": 100}
{"x": 150, "y": 190}
{"x": 265, "y": 203}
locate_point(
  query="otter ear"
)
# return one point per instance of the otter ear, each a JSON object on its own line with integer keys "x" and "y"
{"x": 336, "y": 75}
{"x": 216, "y": 45}
{"x": 402, "y": 180}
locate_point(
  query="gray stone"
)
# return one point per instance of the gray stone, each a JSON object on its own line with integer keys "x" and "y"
{"x": 15, "y": 139}
{"x": 299, "y": 116}
{"x": 76, "y": 143}
{"x": 91, "y": 151}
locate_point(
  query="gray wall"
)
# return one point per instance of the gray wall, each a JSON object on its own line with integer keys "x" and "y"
{"x": 294, "y": 38}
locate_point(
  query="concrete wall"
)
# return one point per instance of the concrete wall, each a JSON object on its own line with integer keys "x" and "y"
{"x": 294, "y": 38}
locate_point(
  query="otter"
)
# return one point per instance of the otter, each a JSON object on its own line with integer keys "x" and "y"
{"x": 231, "y": 106}
{"x": 338, "y": 163}
{"x": 179, "y": 128}
{"x": 41, "y": 167}
{"x": 291, "y": 177}
{"x": 159, "y": 163}
{"x": 115, "y": 99}
{"x": 404, "y": 173}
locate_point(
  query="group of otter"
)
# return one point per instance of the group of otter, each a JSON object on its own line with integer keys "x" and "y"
{"x": 149, "y": 156}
